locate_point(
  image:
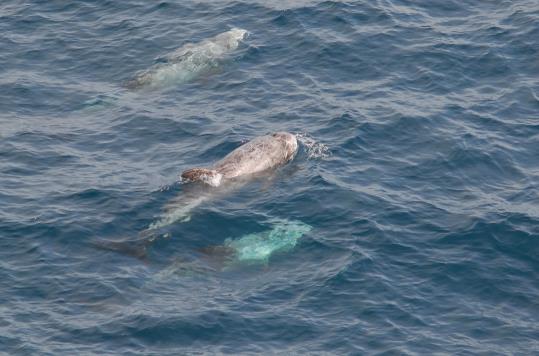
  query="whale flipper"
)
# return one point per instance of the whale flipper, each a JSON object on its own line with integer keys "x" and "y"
{"x": 208, "y": 176}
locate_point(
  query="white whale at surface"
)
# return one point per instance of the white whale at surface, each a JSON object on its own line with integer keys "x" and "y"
{"x": 189, "y": 62}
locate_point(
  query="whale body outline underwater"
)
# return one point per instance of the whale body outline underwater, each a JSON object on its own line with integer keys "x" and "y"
{"x": 189, "y": 62}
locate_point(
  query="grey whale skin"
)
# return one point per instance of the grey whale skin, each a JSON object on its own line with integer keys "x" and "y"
{"x": 190, "y": 61}
{"x": 260, "y": 154}
{"x": 254, "y": 157}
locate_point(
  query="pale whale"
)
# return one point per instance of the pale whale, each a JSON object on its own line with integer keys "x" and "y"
{"x": 189, "y": 62}
{"x": 255, "y": 157}
{"x": 258, "y": 247}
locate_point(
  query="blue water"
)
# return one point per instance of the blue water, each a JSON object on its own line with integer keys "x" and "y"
{"x": 424, "y": 217}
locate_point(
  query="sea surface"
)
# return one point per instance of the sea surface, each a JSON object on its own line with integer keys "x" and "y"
{"x": 416, "y": 182}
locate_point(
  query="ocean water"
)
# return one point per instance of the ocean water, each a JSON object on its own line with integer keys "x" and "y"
{"x": 418, "y": 178}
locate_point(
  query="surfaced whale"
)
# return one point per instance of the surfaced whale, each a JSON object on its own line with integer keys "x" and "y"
{"x": 190, "y": 61}
{"x": 257, "y": 155}
{"x": 261, "y": 154}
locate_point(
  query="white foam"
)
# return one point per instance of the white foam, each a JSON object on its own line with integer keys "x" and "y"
{"x": 314, "y": 149}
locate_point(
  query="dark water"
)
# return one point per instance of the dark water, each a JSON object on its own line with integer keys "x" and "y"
{"x": 425, "y": 217}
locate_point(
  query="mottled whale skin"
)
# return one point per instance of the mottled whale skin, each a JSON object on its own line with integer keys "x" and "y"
{"x": 261, "y": 154}
{"x": 190, "y": 61}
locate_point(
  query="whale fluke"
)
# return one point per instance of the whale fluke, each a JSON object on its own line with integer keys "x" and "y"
{"x": 136, "y": 249}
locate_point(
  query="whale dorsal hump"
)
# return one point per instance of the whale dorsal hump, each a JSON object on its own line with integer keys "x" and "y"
{"x": 208, "y": 176}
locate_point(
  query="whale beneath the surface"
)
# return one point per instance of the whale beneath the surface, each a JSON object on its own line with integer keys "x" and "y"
{"x": 189, "y": 62}
{"x": 258, "y": 247}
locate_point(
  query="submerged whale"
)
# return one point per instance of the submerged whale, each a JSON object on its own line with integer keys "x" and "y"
{"x": 250, "y": 249}
{"x": 190, "y": 61}
{"x": 255, "y": 248}
{"x": 255, "y": 157}
{"x": 258, "y": 247}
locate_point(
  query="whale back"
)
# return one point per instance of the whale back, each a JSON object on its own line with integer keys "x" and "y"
{"x": 260, "y": 154}
{"x": 257, "y": 155}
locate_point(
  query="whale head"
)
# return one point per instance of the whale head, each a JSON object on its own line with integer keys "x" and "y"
{"x": 231, "y": 39}
{"x": 289, "y": 142}
{"x": 238, "y": 34}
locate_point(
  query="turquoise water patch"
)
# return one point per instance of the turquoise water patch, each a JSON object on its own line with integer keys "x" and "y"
{"x": 258, "y": 247}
